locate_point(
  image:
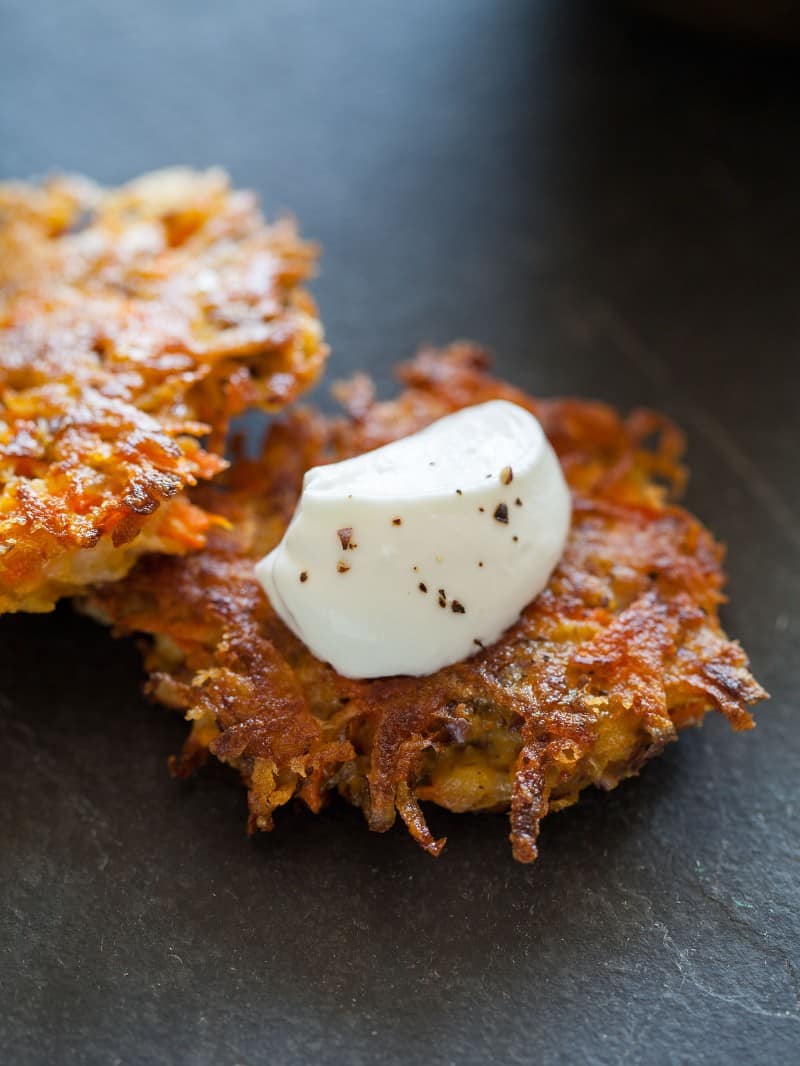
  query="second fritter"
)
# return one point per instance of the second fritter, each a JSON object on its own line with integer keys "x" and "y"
{"x": 133, "y": 322}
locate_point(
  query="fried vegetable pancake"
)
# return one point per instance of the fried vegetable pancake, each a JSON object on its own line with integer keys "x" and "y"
{"x": 133, "y": 322}
{"x": 622, "y": 649}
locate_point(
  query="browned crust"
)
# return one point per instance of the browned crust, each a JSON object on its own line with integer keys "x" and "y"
{"x": 133, "y": 323}
{"x": 622, "y": 649}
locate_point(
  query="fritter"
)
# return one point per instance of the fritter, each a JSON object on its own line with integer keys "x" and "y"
{"x": 134, "y": 322}
{"x": 622, "y": 649}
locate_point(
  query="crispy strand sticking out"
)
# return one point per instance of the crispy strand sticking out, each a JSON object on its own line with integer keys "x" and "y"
{"x": 133, "y": 322}
{"x": 621, "y": 650}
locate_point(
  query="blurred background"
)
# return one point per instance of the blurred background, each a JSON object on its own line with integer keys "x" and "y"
{"x": 607, "y": 196}
{"x": 562, "y": 181}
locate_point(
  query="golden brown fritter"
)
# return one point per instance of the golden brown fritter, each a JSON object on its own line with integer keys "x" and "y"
{"x": 621, "y": 650}
{"x": 133, "y": 322}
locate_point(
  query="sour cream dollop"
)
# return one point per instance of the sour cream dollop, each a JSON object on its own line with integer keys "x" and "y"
{"x": 413, "y": 556}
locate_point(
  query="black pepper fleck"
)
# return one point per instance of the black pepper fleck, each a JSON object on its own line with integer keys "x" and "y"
{"x": 515, "y": 538}
{"x": 345, "y": 536}
{"x": 506, "y": 475}
{"x": 442, "y": 598}
{"x": 501, "y": 513}
{"x": 458, "y": 608}
{"x": 397, "y": 521}
{"x": 518, "y": 502}
{"x": 459, "y": 492}
{"x": 341, "y": 567}
{"x": 478, "y": 642}
{"x": 481, "y": 509}
{"x": 423, "y": 587}
{"x": 304, "y": 575}
{"x": 480, "y": 563}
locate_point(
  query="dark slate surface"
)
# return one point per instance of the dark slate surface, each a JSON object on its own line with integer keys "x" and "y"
{"x": 614, "y": 209}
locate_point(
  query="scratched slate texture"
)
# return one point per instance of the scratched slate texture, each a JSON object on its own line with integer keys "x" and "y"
{"x": 612, "y": 207}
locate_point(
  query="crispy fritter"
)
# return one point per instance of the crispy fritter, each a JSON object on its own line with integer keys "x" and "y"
{"x": 621, "y": 650}
{"x": 133, "y": 322}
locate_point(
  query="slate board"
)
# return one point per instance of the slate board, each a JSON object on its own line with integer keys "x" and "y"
{"x": 613, "y": 207}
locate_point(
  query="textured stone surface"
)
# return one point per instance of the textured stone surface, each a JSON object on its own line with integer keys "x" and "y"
{"x": 613, "y": 208}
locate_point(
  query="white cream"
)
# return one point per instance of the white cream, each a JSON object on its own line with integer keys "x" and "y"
{"x": 410, "y": 557}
